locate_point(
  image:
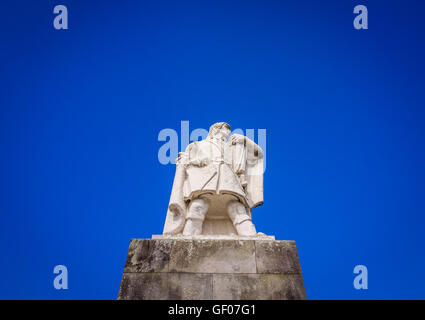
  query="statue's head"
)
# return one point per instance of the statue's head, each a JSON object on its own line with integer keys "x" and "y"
{"x": 219, "y": 130}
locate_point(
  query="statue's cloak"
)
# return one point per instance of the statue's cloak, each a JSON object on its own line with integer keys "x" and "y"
{"x": 218, "y": 176}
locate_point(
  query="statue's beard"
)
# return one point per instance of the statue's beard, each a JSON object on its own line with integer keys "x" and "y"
{"x": 220, "y": 139}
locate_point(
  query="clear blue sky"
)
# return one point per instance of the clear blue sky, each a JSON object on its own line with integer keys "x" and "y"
{"x": 81, "y": 109}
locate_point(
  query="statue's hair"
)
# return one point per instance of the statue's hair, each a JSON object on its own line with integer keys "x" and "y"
{"x": 217, "y": 126}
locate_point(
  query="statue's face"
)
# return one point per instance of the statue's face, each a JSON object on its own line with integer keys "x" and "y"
{"x": 223, "y": 133}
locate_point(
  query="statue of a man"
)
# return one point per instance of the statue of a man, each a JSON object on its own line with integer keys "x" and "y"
{"x": 217, "y": 183}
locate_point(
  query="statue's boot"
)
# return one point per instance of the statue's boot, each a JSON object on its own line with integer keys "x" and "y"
{"x": 193, "y": 227}
{"x": 246, "y": 228}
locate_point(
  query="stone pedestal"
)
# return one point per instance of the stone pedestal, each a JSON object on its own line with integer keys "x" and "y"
{"x": 211, "y": 269}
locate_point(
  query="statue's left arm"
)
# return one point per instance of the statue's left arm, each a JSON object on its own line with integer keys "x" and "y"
{"x": 248, "y": 164}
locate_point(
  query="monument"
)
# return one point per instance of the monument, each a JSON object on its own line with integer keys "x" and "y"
{"x": 210, "y": 248}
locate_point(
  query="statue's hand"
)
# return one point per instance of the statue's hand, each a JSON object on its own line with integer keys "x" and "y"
{"x": 199, "y": 162}
{"x": 237, "y": 138}
{"x": 182, "y": 158}
{"x": 204, "y": 162}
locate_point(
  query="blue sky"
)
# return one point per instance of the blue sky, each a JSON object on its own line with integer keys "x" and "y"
{"x": 81, "y": 109}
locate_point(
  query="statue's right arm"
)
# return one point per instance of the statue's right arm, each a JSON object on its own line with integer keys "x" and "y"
{"x": 184, "y": 156}
{"x": 193, "y": 156}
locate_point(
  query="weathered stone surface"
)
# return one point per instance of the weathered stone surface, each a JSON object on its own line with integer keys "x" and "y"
{"x": 209, "y": 256}
{"x": 166, "y": 286}
{"x": 145, "y": 255}
{"x": 190, "y": 286}
{"x": 277, "y": 257}
{"x": 257, "y": 237}
{"x": 144, "y": 286}
{"x": 192, "y": 269}
{"x": 258, "y": 287}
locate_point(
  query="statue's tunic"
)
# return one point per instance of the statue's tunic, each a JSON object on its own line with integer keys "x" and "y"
{"x": 217, "y": 176}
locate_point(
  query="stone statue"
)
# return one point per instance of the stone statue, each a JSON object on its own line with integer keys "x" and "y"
{"x": 215, "y": 252}
{"x": 216, "y": 185}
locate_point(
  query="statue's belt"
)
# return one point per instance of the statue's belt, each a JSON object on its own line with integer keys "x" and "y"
{"x": 220, "y": 162}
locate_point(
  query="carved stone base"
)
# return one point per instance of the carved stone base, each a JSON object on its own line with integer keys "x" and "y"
{"x": 211, "y": 269}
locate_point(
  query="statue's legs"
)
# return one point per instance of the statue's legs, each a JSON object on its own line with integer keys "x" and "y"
{"x": 195, "y": 217}
{"x": 241, "y": 219}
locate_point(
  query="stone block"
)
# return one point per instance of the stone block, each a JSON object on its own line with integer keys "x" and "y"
{"x": 277, "y": 257}
{"x": 190, "y": 286}
{"x": 212, "y": 256}
{"x": 207, "y": 269}
{"x": 145, "y": 255}
{"x": 258, "y": 287}
{"x": 144, "y": 286}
